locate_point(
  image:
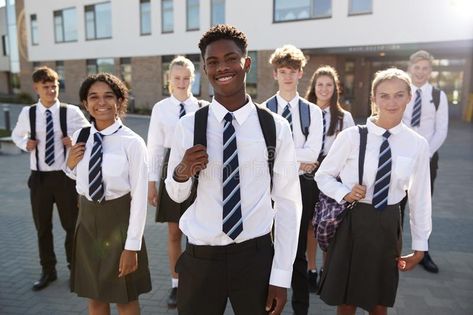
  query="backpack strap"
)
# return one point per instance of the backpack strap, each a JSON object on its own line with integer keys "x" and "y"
{"x": 361, "y": 158}
{"x": 436, "y": 97}
{"x": 202, "y": 103}
{"x": 340, "y": 122}
{"x": 272, "y": 104}
{"x": 32, "y": 114}
{"x": 304, "y": 115}
{"x": 63, "y": 122}
{"x": 268, "y": 127}
{"x": 83, "y": 135}
{"x": 200, "y": 135}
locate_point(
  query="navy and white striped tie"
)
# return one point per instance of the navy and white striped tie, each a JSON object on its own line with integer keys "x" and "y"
{"x": 232, "y": 219}
{"x": 287, "y": 114}
{"x": 49, "y": 148}
{"x": 417, "y": 110}
{"x": 383, "y": 175}
{"x": 96, "y": 189}
{"x": 182, "y": 110}
{"x": 324, "y": 125}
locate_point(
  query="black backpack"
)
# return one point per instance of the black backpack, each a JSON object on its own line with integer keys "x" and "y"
{"x": 268, "y": 128}
{"x": 62, "y": 122}
{"x": 435, "y": 97}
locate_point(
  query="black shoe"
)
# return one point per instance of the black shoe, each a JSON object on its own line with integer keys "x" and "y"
{"x": 172, "y": 299}
{"x": 43, "y": 282}
{"x": 312, "y": 277}
{"x": 429, "y": 264}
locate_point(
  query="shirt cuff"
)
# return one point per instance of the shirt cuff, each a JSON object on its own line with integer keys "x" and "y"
{"x": 280, "y": 278}
{"x": 134, "y": 245}
{"x": 341, "y": 193}
{"x": 70, "y": 173}
{"x": 420, "y": 245}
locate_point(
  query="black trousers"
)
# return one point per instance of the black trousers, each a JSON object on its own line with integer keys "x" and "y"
{"x": 299, "y": 283}
{"x": 47, "y": 188}
{"x": 209, "y": 275}
{"x": 434, "y": 166}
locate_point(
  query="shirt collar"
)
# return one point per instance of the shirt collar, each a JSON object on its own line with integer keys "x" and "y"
{"x": 373, "y": 128}
{"x": 110, "y": 129}
{"x": 282, "y": 102}
{"x": 424, "y": 88}
{"x": 240, "y": 115}
{"x": 43, "y": 108}
{"x": 186, "y": 102}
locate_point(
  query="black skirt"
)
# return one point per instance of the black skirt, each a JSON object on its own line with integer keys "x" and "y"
{"x": 98, "y": 244}
{"x": 361, "y": 267}
{"x": 168, "y": 210}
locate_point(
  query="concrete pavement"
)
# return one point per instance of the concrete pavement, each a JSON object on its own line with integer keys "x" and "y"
{"x": 449, "y": 292}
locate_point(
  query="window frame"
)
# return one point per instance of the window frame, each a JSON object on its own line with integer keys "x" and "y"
{"x": 95, "y": 20}
{"x": 34, "y": 29}
{"x": 212, "y": 11}
{"x": 162, "y": 17}
{"x": 350, "y": 6}
{"x": 188, "y": 29}
{"x": 304, "y": 19}
{"x": 141, "y": 18}
{"x": 63, "y": 26}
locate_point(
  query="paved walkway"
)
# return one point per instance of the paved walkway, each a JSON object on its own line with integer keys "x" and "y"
{"x": 449, "y": 292}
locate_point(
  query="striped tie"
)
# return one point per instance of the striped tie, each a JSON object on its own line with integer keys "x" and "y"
{"x": 232, "y": 220}
{"x": 383, "y": 175}
{"x": 324, "y": 126}
{"x": 182, "y": 110}
{"x": 416, "y": 111}
{"x": 287, "y": 114}
{"x": 49, "y": 149}
{"x": 96, "y": 189}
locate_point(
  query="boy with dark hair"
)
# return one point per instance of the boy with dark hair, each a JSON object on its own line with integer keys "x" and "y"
{"x": 306, "y": 123}
{"x": 230, "y": 252}
{"x": 44, "y": 130}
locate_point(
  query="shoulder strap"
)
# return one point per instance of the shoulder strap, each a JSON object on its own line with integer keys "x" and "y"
{"x": 272, "y": 104}
{"x": 83, "y": 135}
{"x": 268, "y": 126}
{"x": 32, "y": 113}
{"x": 304, "y": 114}
{"x": 200, "y": 126}
{"x": 63, "y": 118}
{"x": 340, "y": 122}
{"x": 202, "y": 103}
{"x": 361, "y": 158}
{"x": 436, "y": 97}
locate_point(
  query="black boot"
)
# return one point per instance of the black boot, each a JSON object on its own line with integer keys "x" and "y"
{"x": 43, "y": 282}
{"x": 429, "y": 264}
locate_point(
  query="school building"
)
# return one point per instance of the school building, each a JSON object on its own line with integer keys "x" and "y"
{"x": 136, "y": 39}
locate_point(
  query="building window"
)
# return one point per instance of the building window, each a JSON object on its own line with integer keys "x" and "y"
{"x": 252, "y": 76}
{"x": 193, "y": 16}
{"x": 5, "y": 45}
{"x": 360, "y": 7}
{"x": 60, "y": 73}
{"x": 36, "y": 65}
{"x": 165, "y": 62}
{"x": 34, "y": 30}
{"x": 198, "y": 74}
{"x": 65, "y": 25}
{"x": 100, "y": 65}
{"x": 292, "y": 10}
{"x": 98, "y": 21}
{"x": 125, "y": 71}
{"x": 145, "y": 17}
{"x": 167, "y": 16}
{"x": 217, "y": 14}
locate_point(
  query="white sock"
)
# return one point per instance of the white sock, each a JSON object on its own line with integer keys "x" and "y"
{"x": 174, "y": 282}
{"x": 313, "y": 270}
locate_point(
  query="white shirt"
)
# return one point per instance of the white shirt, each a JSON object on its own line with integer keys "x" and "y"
{"x": 202, "y": 221}
{"x": 347, "y": 122}
{"x": 21, "y": 132}
{"x": 307, "y": 151}
{"x": 433, "y": 123}
{"x": 124, "y": 170}
{"x": 164, "y": 118}
{"x": 410, "y": 172}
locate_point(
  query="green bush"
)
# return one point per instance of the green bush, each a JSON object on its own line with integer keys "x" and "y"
{"x": 4, "y": 133}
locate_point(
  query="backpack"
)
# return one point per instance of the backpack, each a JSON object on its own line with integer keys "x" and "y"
{"x": 268, "y": 128}
{"x": 62, "y": 122}
{"x": 435, "y": 97}
{"x": 304, "y": 113}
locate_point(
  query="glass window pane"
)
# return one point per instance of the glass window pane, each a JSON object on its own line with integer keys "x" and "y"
{"x": 287, "y": 10}
{"x": 105, "y": 65}
{"x": 70, "y": 24}
{"x": 145, "y": 20}
{"x": 198, "y": 75}
{"x": 103, "y": 19}
{"x": 89, "y": 25}
{"x": 252, "y": 76}
{"x": 34, "y": 29}
{"x": 322, "y": 8}
{"x": 58, "y": 31}
{"x": 193, "y": 15}
{"x": 165, "y": 62}
{"x": 167, "y": 16}
{"x": 218, "y": 12}
{"x": 361, "y": 6}
{"x": 60, "y": 73}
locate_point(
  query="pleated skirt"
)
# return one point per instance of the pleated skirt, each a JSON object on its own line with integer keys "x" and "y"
{"x": 361, "y": 267}
{"x": 99, "y": 240}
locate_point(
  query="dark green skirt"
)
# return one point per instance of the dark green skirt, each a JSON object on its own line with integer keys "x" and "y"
{"x": 361, "y": 267}
{"x": 99, "y": 240}
{"x": 168, "y": 210}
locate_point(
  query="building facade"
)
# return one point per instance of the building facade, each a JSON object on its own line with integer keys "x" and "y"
{"x": 136, "y": 39}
